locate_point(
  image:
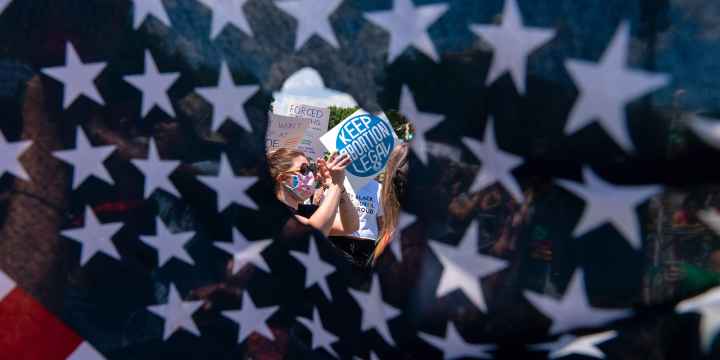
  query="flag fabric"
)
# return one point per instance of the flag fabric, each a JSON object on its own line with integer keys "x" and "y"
{"x": 35, "y": 333}
{"x": 561, "y": 200}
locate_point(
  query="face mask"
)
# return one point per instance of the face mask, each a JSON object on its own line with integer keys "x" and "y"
{"x": 302, "y": 186}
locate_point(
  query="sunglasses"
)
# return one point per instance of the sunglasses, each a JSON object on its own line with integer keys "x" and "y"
{"x": 306, "y": 168}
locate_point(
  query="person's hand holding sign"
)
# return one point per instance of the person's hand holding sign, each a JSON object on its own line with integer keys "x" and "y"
{"x": 333, "y": 171}
{"x": 336, "y": 214}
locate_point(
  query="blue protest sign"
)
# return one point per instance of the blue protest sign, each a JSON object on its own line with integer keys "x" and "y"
{"x": 368, "y": 140}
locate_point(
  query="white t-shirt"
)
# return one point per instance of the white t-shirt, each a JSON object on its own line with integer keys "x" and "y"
{"x": 367, "y": 203}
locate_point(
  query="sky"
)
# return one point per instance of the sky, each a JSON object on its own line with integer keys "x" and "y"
{"x": 307, "y": 87}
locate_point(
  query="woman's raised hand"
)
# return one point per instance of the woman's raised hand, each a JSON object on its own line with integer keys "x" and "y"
{"x": 323, "y": 174}
{"x": 333, "y": 171}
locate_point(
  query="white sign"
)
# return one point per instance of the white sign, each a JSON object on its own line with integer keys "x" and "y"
{"x": 368, "y": 139}
{"x": 285, "y": 132}
{"x": 318, "y": 119}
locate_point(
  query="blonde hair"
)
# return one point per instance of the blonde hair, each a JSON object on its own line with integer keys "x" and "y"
{"x": 394, "y": 187}
{"x": 281, "y": 160}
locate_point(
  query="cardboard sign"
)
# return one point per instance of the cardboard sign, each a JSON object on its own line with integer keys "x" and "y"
{"x": 368, "y": 139}
{"x": 318, "y": 119}
{"x": 285, "y": 132}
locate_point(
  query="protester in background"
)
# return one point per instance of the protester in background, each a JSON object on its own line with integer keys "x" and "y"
{"x": 370, "y": 211}
{"x": 295, "y": 182}
{"x": 395, "y": 184}
{"x": 359, "y": 245}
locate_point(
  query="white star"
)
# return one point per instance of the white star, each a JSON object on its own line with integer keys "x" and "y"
{"x": 421, "y": 122}
{"x": 320, "y": 337}
{"x": 711, "y": 218}
{"x": 396, "y": 245}
{"x": 706, "y": 129}
{"x": 572, "y": 345}
{"x": 608, "y": 203}
{"x": 375, "y": 312}
{"x": 85, "y": 351}
{"x": 94, "y": 237}
{"x": 157, "y": 172}
{"x": 313, "y": 17}
{"x": 10, "y": 153}
{"x": 169, "y": 245}
{"x": 316, "y": 270}
{"x": 87, "y": 160}
{"x": 77, "y": 77}
{"x": 554, "y": 346}
{"x": 226, "y": 12}
{"x": 154, "y": 86}
{"x": 512, "y": 43}
{"x": 496, "y": 164}
{"x": 573, "y": 310}
{"x": 144, "y": 8}
{"x": 708, "y": 306}
{"x": 177, "y": 314}
{"x": 372, "y": 356}
{"x": 4, "y": 4}
{"x": 245, "y": 252}
{"x": 408, "y": 26}
{"x": 251, "y": 319}
{"x": 454, "y": 346}
{"x": 7, "y": 285}
{"x": 230, "y": 188}
{"x": 228, "y": 100}
{"x": 607, "y": 87}
{"x": 463, "y": 267}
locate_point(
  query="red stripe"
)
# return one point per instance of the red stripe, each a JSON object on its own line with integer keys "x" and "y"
{"x": 29, "y": 332}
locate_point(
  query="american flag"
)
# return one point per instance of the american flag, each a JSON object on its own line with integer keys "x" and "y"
{"x": 561, "y": 199}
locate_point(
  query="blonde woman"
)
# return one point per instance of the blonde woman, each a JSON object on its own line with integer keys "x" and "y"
{"x": 296, "y": 180}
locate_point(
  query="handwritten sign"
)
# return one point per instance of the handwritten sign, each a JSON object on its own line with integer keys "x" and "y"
{"x": 285, "y": 132}
{"x": 368, "y": 139}
{"x": 318, "y": 119}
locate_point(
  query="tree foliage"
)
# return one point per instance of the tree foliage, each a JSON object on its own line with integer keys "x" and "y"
{"x": 398, "y": 121}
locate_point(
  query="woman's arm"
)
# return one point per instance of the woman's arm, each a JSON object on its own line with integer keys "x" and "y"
{"x": 324, "y": 217}
{"x": 332, "y": 174}
{"x": 347, "y": 220}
